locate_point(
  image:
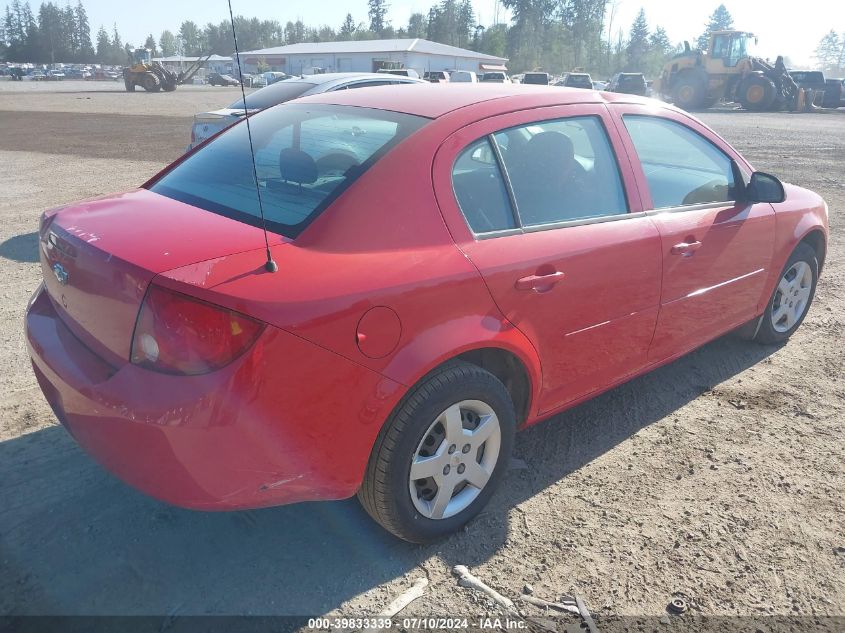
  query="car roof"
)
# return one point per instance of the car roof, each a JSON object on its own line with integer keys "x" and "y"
{"x": 435, "y": 100}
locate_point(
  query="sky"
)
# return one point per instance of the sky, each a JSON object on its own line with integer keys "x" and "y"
{"x": 787, "y": 28}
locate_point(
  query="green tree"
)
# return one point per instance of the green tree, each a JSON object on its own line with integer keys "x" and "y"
{"x": 829, "y": 51}
{"x": 103, "y": 46}
{"x": 493, "y": 40}
{"x": 377, "y": 13}
{"x": 720, "y": 20}
{"x": 151, "y": 44}
{"x": 167, "y": 43}
{"x": 638, "y": 43}
{"x": 191, "y": 39}
{"x": 417, "y": 25}
{"x": 348, "y": 28}
{"x": 85, "y": 52}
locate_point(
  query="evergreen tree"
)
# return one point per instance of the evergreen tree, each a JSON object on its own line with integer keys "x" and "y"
{"x": 150, "y": 43}
{"x": 103, "y": 46}
{"x": 167, "y": 43}
{"x": 378, "y": 15}
{"x": 348, "y": 28}
{"x": 638, "y": 43}
{"x": 465, "y": 24}
{"x": 85, "y": 51}
{"x": 829, "y": 51}
{"x": 417, "y": 25}
{"x": 720, "y": 20}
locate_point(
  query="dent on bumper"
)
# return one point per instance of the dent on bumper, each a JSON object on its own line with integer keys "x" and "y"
{"x": 288, "y": 421}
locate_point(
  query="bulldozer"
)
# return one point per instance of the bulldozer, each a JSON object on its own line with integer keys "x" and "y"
{"x": 694, "y": 80}
{"x": 153, "y": 76}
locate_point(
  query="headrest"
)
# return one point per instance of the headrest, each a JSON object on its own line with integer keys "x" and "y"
{"x": 297, "y": 166}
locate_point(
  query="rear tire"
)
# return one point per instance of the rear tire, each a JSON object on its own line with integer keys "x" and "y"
{"x": 791, "y": 298}
{"x": 690, "y": 92}
{"x": 458, "y": 396}
{"x": 757, "y": 93}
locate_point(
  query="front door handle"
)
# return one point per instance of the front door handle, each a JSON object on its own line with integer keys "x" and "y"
{"x": 686, "y": 248}
{"x": 540, "y": 283}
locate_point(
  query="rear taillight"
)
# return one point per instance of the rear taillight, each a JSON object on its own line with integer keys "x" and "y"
{"x": 177, "y": 334}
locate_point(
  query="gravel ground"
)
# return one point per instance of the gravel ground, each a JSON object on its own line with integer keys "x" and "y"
{"x": 718, "y": 478}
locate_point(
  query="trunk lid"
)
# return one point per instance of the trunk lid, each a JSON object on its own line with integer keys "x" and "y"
{"x": 207, "y": 124}
{"x": 98, "y": 257}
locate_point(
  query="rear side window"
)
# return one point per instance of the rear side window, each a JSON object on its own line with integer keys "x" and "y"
{"x": 305, "y": 156}
{"x": 680, "y": 165}
{"x": 480, "y": 189}
{"x": 562, "y": 170}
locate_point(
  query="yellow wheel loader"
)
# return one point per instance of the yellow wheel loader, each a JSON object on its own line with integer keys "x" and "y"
{"x": 153, "y": 76}
{"x": 726, "y": 70}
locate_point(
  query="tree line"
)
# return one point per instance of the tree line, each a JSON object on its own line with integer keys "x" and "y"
{"x": 552, "y": 35}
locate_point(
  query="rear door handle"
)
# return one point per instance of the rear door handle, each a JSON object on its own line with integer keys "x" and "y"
{"x": 541, "y": 283}
{"x": 686, "y": 248}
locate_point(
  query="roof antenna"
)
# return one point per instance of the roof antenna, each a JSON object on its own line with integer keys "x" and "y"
{"x": 270, "y": 266}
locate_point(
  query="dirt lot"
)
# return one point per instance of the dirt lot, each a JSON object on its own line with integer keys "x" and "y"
{"x": 719, "y": 478}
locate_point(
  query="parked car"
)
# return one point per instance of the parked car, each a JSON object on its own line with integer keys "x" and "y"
{"x": 600, "y": 85}
{"x": 54, "y": 75}
{"x": 496, "y": 77}
{"x": 576, "y": 80}
{"x": 216, "y": 79}
{"x": 36, "y": 75}
{"x": 401, "y": 72}
{"x": 408, "y": 313}
{"x": 272, "y": 77}
{"x": 540, "y": 79}
{"x": 207, "y": 124}
{"x": 463, "y": 76}
{"x": 437, "y": 76}
{"x": 628, "y": 83}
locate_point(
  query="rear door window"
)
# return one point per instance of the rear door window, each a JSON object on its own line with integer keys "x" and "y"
{"x": 681, "y": 166}
{"x": 480, "y": 189}
{"x": 305, "y": 157}
{"x": 562, "y": 170}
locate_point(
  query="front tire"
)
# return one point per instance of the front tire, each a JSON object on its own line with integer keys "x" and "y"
{"x": 441, "y": 455}
{"x": 791, "y": 298}
{"x": 757, "y": 93}
{"x": 690, "y": 92}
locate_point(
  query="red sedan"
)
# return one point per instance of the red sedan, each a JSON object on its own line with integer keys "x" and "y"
{"x": 454, "y": 263}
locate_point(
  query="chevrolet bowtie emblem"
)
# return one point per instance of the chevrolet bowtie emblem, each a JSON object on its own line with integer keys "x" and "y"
{"x": 61, "y": 273}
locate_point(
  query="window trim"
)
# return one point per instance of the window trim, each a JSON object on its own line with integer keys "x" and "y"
{"x": 736, "y": 170}
{"x": 548, "y": 226}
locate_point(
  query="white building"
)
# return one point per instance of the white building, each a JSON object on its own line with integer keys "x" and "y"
{"x": 369, "y": 56}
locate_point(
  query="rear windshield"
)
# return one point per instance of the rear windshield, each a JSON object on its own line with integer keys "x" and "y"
{"x": 534, "y": 78}
{"x": 632, "y": 80}
{"x": 275, "y": 94}
{"x": 305, "y": 155}
{"x": 580, "y": 81}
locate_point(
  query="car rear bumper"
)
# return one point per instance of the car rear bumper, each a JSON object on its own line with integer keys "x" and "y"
{"x": 285, "y": 422}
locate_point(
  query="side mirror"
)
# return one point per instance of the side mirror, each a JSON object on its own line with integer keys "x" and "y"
{"x": 764, "y": 188}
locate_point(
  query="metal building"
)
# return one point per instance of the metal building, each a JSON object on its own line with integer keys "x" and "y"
{"x": 369, "y": 56}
